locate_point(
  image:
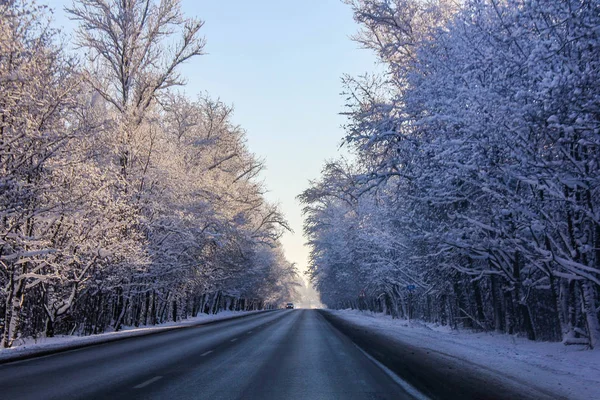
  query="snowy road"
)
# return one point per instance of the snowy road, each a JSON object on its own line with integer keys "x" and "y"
{"x": 279, "y": 355}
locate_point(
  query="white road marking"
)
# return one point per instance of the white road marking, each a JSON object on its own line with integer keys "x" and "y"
{"x": 148, "y": 382}
{"x": 249, "y": 332}
{"x": 405, "y": 385}
{"x": 233, "y": 340}
{"x": 205, "y": 354}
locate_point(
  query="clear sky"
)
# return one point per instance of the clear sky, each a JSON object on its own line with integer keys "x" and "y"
{"x": 279, "y": 62}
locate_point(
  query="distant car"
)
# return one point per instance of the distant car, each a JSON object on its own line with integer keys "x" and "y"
{"x": 289, "y": 305}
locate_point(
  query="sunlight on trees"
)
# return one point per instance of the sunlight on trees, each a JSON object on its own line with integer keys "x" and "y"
{"x": 123, "y": 202}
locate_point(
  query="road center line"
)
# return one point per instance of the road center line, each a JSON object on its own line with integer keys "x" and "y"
{"x": 148, "y": 382}
{"x": 233, "y": 340}
{"x": 249, "y": 332}
{"x": 205, "y": 354}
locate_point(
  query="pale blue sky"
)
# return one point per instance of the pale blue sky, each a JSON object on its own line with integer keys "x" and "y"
{"x": 279, "y": 62}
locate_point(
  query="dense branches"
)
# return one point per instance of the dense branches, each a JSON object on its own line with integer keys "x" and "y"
{"x": 478, "y": 152}
{"x": 121, "y": 201}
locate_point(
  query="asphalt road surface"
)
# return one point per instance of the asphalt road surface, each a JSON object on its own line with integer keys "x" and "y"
{"x": 292, "y": 354}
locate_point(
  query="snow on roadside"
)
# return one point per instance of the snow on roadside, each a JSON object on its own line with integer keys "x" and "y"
{"x": 32, "y": 346}
{"x": 569, "y": 371}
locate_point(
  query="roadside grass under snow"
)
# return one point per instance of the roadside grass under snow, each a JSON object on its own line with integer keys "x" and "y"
{"x": 569, "y": 371}
{"x": 31, "y": 346}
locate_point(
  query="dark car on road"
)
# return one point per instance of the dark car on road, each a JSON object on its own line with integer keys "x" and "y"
{"x": 289, "y": 305}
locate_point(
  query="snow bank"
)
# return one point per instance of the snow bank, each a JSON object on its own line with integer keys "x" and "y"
{"x": 568, "y": 371}
{"x": 28, "y": 348}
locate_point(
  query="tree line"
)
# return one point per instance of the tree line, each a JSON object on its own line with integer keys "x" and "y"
{"x": 473, "y": 195}
{"x": 122, "y": 200}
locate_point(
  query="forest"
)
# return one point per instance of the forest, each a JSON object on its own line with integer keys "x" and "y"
{"x": 471, "y": 195}
{"x": 123, "y": 201}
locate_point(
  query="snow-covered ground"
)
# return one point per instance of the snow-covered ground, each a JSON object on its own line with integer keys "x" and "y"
{"x": 568, "y": 371}
{"x": 28, "y": 347}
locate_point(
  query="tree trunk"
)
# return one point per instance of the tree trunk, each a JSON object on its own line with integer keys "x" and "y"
{"x": 146, "y": 307}
{"x": 508, "y": 313}
{"x": 14, "y": 322}
{"x": 429, "y": 316}
{"x": 588, "y": 293}
{"x": 478, "y": 302}
{"x": 7, "y": 318}
{"x": 527, "y": 321}
{"x": 119, "y": 321}
{"x": 49, "y": 327}
{"x": 443, "y": 311}
{"x": 560, "y": 328}
{"x": 460, "y": 304}
{"x": 497, "y": 305}
{"x": 522, "y": 307}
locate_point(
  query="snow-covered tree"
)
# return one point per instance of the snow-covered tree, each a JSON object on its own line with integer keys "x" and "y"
{"x": 485, "y": 130}
{"x": 122, "y": 202}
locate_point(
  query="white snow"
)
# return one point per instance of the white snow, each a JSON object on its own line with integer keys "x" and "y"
{"x": 569, "y": 371}
{"x": 29, "y": 346}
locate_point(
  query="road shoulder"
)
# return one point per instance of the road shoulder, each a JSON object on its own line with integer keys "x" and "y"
{"x": 67, "y": 343}
{"x": 435, "y": 373}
